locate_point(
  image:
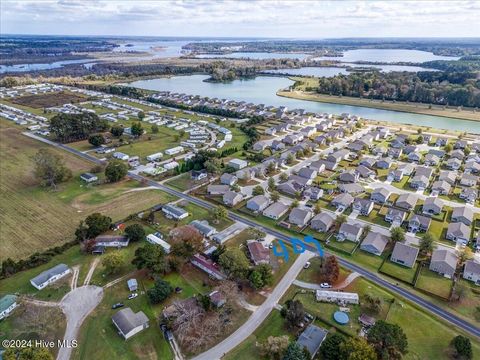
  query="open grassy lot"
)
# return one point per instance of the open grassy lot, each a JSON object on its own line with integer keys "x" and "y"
{"x": 184, "y": 182}
{"x": 30, "y": 322}
{"x": 99, "y": 338}
{"x": 367, "y": 260}
{"x": 312, "y": 274}
{"x": 434, "y": 283}
{"x": 41, "y": 101}
{"x": 34, "y": 218}
{"x": 399, "y": 272}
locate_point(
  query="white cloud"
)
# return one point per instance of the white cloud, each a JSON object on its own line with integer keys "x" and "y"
{"x": 313, "y": 19}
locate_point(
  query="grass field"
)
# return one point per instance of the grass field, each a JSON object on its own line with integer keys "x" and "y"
{"x": 34, "y": 218}
{"x": 434, "y": 283}
{"x": 48, "y": 100}
{"x": 398, "y": 271}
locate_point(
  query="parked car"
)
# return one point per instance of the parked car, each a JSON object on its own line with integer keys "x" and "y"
{"x": 307, "y": 265}
{"x": 325, "y": 285}
{"x": 270, "y": 246}
{"x": 117, "y": 305}
{"x": 132, "y": 296}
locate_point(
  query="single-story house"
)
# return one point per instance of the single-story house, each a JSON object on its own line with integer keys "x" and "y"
{"x": 174, "y": 212}
{"x": 404, "y": 254}
{"x": 132, "y": 284}
{"x": 129, "y": 323}
{"x": 7, "y": 304}
{"x": 338, "y": 297}
{"x": 258, "y": 203}
{"x": 199, "y": 174}
{"x": 322, "y": 222}
{"x": 228, "y": 179}
{"x": 237, "y": 164}
{"x": 471, "y": 271}
{"x": 157, "y": 240}
{"x": 217, "y": 189}
{"x": 89, "y": 177}
{"x": 444, "y": 262}
{"x": 374, "y": 243}
{"x": 204, "y": 228}
{"x": 454, "y": 163}
{"x": 351, "y": 188}
{"x": 208, "y": 266}
{"x": 49, "y": 276}
{"x": 311, "y": 339}
{"x": 258, "y": 253}
{"x": 276, "y": 210}
{"x": 300, "y": 217}
{"x": 232, "y": 198}
{"x": 349, "y": 232}
{"x": 217, "y": 298}
{"x": 117, "y": 241}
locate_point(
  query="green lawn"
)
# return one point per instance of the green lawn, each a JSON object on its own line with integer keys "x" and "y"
{"x": 347, "y": 246}
{"x": 367, "y": 260}
{"x": 399, "y": 272}
{"x": 184, "y": 182}
{"x": 434, "y": 283}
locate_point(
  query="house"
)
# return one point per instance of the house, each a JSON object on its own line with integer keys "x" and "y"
{"x": 463, "y": 214}
{"x": 277, "y": 145}
{"x": 469, "y": 180}
{"x": 384, "y": 163}
{"x": 351, "y": 188}
{"x": 89, "y": 178}
{"x": 237, "y": 164}
{"x": 349, "y": 176}
{"x": 404, "y": 254}
{"x": 414, "y": 156}
{"x": 457, "y": 154}
{"x": 276, "y": 210}
{"x": 395, "y": 216}
{"x": 199, "y": 174}
{"x": 442, "y": 187}
{"x": 318, "y": 165}
{"x": 120, "y": 156}
{"x": 204, "y": 228}
{"x": 444, "y": 262}
{"x": 431, "y": 160}
{"x": 406, "y": 201}
{"x": 271, "y": 131}
{"x": 117, "y": 241}
{"x": 132, "y": 284}
{"x": 129, "y": 323}
{"x": 454, "y": 164}
{"x": 258, "y": 253}
{"x": 49, "y": 276}
{"x": 471, "y": 272}
{"x": 349, "y": 232}
{"x": 157, "y": 240}
{"x": 441, "y": 141}
{"x": 366, "y": 320}
{"x": 407, "y": 168}
{"x": 228, "y": 179}
{"x": 311, "y": 339}
{"x": 380, "y": 195}
{"x": 300, "y": 217}
{"x": 368, "y": 162}
{"x": 419, "y": 182}
{"x": 460, "y": 144}
{"x": 307, "y": 173}
{"x": 7, "y": 304}
{"x": 458, "y": 232}
{"x": 290, "y": 187}
{"x": 339, "y": 297}
{"x": 469, "y": 195}
{"x": 175, "y": 150}
{"x": 364, "y": 172}
{"x": 258, "y": 203}
{"x": 312, "y": 193}
{"x": 448, "y": 176}
{"x": 363, "y": 206}
{"x": 232, "y": 198}
{"x": 217, "y": 189}
{"x": 472, "y": 166}
{"x": 374, "y": 243}
{"x": 174, "y": 212}
{"x": 322, "y": 222}
{"x": 208, "y": 266}
{"x": 419, "y": 223}
{"x": 217, "y": 299}
{"x": 338, "y": 155}
{"x": 395, "y": 175}
{"x": 395, "y": 153}
{"x": 407, "y": 150}
{"x": 342, "y": 201}
{"x": 260, "y": 145}
{"x": 432, "y": 206}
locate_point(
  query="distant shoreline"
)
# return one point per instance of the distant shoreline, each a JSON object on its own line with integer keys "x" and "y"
{"x": 377, "y": 104}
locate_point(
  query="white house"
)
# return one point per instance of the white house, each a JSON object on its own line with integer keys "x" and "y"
{"x": 129, "y": 323}
{"x": 337, "y": 297}
{"x": 50, "y": 276}
{"x": 153, "y": 239}
{"x": 7, "y": 304}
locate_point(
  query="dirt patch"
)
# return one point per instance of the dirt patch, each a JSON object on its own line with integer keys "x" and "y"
{"x": 48, "y": 100}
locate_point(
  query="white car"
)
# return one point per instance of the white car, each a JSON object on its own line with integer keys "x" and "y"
{"x": 132, "y": 296}
{"x": 307, "y": 265}
{"x": 325, "y": 285}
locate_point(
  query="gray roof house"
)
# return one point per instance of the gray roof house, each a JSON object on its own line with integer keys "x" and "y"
{"x": 448, "y": 176}
{"x": 374, "y": 243}
{"x": 406, "y": 201}
{"x": 444, "y": 262}
{"x": 312, "y": 193}
{"x": 469, "y": 180}
{"x": 300, "y": 217}
{"x": 349, "y": 232}
{"x": 342, "y": 201}
{"x": 419, "y": 223}
{"x": 363, "y": 206}
{"x": 307, "y": 173}
{"x": 458, "y": 232}
{"x": 217, "y": 189}
{"x": 454, "y": 163}
{"x": 228, "y": 179}
{"x": 232, "y": 198}
{"x": 289, "y": 187}
{"x": 258, "y": 203}
{"x": 419, "y": 182}
{"x": 132, "y": 284}
{"x": 395, "y": 216}
{"x": 405, "y": 255}
{"x": 442, "y": 187}
{"x": 129, "y": 323}
{"x": 396, "y": 175}
{"x": 471, "y": 271}
{"x": 469, "y": 195}
{"x": 350, "y": 176}
{"x": 380, "y": 195}
{"x": 311, "y": 339}
{"x": 463, "y": 214}
{"x": 175, "y": 212}
{"x": 351, "y": 188}
{"x": 204, "y": 227}
{"x": 364, "y": 172}
{"x": 50, "y": 276}
{"x": 322, "y": 222}
{"x": 431, "y": 160}
{"x": 276, "y": 210}
{"x": 384, "y": 163}
{"x": 432, "y": 206}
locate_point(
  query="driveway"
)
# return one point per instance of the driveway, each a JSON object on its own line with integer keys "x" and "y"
{"x": 76, "y": 305}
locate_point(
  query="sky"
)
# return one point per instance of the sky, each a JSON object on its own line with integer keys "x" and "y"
{"x": 253, "y": 18}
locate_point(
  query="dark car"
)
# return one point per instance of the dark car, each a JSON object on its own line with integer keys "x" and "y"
{"x": 117, "y": 305}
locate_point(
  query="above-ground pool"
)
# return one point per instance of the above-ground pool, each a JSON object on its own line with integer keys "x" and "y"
{"x": 341, "y": 317}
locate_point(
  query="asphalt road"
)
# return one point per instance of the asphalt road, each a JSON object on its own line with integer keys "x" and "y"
{"x": 453, "y": 319}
